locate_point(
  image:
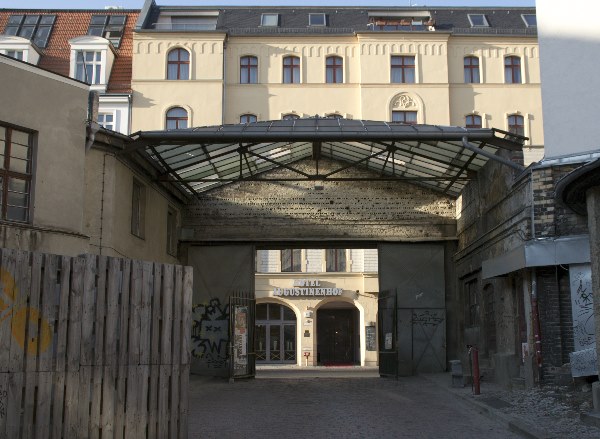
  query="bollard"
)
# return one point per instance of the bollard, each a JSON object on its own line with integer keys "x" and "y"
{"x": 476, "y": 384}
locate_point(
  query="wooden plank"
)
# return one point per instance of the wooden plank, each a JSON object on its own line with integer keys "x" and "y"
{"x": 153, "y": 401}
{"x": 156, "y": 315}
{"x": 124, "y": 313}
{"x": 184, "y": 380}
{"x": 58, "y": 405}
{"x": 32, "y": 320}
{"x": 75, "y": 306}
{"x": 29, "y": 403}
{"x": 71, "y": 404}
{"x": 134, "y": 313}
{"x": 163, "y": 401}
{"x": 88, "y": 310}
{"x": 112, "y": 313}
{"x": 43, "y": 405}
{"x": 3, "y": 403}
{"x": 131, "y": 409}
{"x": 167, "y": 315}
{"x": 15, "y": 400}
{"x": 85, "y": 388}
{"x": 174, "y": 405}
{"x": 177, "y": 305}
{"x": 96, "y": 401}
{"x": 146, "y": 312}
{"x": 121, "y": 402}
{"x": 144, "y": 378}
{"x": 109, "y": 401}
{"x": 20, "y": 312}
{"x": 7, "y": 298}
{"x": 186, "y": 336}
{"x": 49, "y": 313}
{"x": 62, "y": 323}
{"x": 100, "y": 318}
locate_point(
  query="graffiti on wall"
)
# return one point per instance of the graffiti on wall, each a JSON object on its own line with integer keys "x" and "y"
{"x": 582, "y": 302}
{"x": 427, "y": 318}
{"x": 210, "y": 333}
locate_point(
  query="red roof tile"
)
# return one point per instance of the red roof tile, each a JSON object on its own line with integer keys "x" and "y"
{"x": 74, "y": 23}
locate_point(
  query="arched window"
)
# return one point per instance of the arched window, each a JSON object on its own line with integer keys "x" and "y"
{"x": 247, "y": 118}
{"x": 472, "y": 121}
{"x": 275, "y": 336}
{"x": 290, "y": 116}
{"x": 516, "y": 124}
{"x": 512, "y": 70}
{"x": 408, "y": 117}
{"x": 248, "y": 70}
{"x": 471, "y": 70}
{"x": 177, "y": 118}
{"x": 334, "y": 70}
{"x": 291, "y": 70}
{"x": 178, "y": 64}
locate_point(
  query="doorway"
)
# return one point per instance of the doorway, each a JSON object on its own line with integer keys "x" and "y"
{"x": 337, "y": 335}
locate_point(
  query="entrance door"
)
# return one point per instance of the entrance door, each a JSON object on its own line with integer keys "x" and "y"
{"x": 336, "y": 336}
{"x": 275, "y": 334}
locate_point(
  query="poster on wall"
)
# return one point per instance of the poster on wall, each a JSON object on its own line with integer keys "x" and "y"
{"x": 240, "y": 339}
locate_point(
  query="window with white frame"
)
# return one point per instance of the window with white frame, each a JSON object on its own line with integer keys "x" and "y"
{"x": 269, "y": 20}
{"x": 317, "y": 19}
{"x": 529, "y": 19}
{"x": 16, "y": 54}
{"x": 291, "y": 260}
{"x": 478, "y": 20}
{"x": 248, "y": 118}
{"x": 107, "y": 120}
{"x": 88, "y": 66}
{"x": 335, "y": 260}
{"x": 15, "y": 173}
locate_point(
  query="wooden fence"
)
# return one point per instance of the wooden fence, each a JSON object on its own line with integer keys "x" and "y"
{"x": 93, "y": 347}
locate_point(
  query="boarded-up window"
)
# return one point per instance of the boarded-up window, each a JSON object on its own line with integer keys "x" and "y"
{"x": 138, "y": 209}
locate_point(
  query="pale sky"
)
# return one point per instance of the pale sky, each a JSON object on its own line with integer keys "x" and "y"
{"x": 137, "y": 4}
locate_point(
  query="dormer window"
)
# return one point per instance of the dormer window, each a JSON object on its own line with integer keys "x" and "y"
{"x": 270, "y": 20}
{"x": 401, "y": 21}
{"x": 478, "y": 20}
{"x": 91, "y": 61}
{"x": 36, "y": 28}
{"x": 317, "y": 20}
{"x": 529, "y": 19}
{"x": 108, "y": 26}
{"x": 19, "y": 48}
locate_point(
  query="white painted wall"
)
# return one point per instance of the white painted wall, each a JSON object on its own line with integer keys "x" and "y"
{"x": 569, "y": 40}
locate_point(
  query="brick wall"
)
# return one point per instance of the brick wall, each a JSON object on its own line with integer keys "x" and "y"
{"x": 367, "y": 210}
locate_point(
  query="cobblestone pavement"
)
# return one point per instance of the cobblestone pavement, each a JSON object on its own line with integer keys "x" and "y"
{"x": 324, "y": 407}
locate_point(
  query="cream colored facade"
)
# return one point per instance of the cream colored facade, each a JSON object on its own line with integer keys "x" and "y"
{"x": 313, "y": 289}
{"x": 213, "y": 93}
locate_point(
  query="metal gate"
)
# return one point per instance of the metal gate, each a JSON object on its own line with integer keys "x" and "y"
{"x": 388, "y": 340}
{"x": 242, "y": 364}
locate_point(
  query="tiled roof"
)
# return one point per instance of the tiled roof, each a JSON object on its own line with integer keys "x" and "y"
{"x": 239, "y": 20}
{"x": 74, "y": 23}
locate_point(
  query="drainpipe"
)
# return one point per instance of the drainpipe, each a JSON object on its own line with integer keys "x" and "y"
{"x": 537, "y": 333}
{"x": 224, "y": 82}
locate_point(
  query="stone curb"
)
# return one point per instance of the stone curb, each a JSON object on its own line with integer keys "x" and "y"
{"x": 514, "y": 424}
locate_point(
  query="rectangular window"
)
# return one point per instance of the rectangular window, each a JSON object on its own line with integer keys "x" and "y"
{"x": 529, "y": 19}
{"x": 36, "y": 28}
{"x": 291, "y": 70}
{"x": 16, "y": 54}
{"x": 336, "y": 260}
{"x": 478, "y": 20}
{"x": 408, "y": 117}
{"x": 403, "y": 69}
{"x": 172, "y": 232}
{"x": 471, "y": 68}
{"x": 88, "y": 66}
{"x": 138, "y": 209}
{"x": 107, "y": 120}
{"x": 108, "y": 26}
{"x": 291, "y": 260}
{"x": 269, "y": 20}
{"x": 15, "y": 173}
{"x": 317, "y": 20}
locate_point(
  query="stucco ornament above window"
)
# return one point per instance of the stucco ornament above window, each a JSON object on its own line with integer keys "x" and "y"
{"x": 404, "y": 100}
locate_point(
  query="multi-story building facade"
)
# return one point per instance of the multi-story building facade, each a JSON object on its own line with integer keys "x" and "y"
{"x": 92, "y": 46}
{"x": 443, "y": 66}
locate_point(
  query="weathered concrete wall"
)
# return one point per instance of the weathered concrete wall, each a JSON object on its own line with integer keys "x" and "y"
{"x": 341, "y": 211}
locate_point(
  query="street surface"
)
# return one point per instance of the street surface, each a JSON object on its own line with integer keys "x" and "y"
{"x": 324, "y": 407}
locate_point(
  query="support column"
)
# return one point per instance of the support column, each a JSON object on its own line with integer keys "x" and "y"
{"x": 593, "y": 209}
